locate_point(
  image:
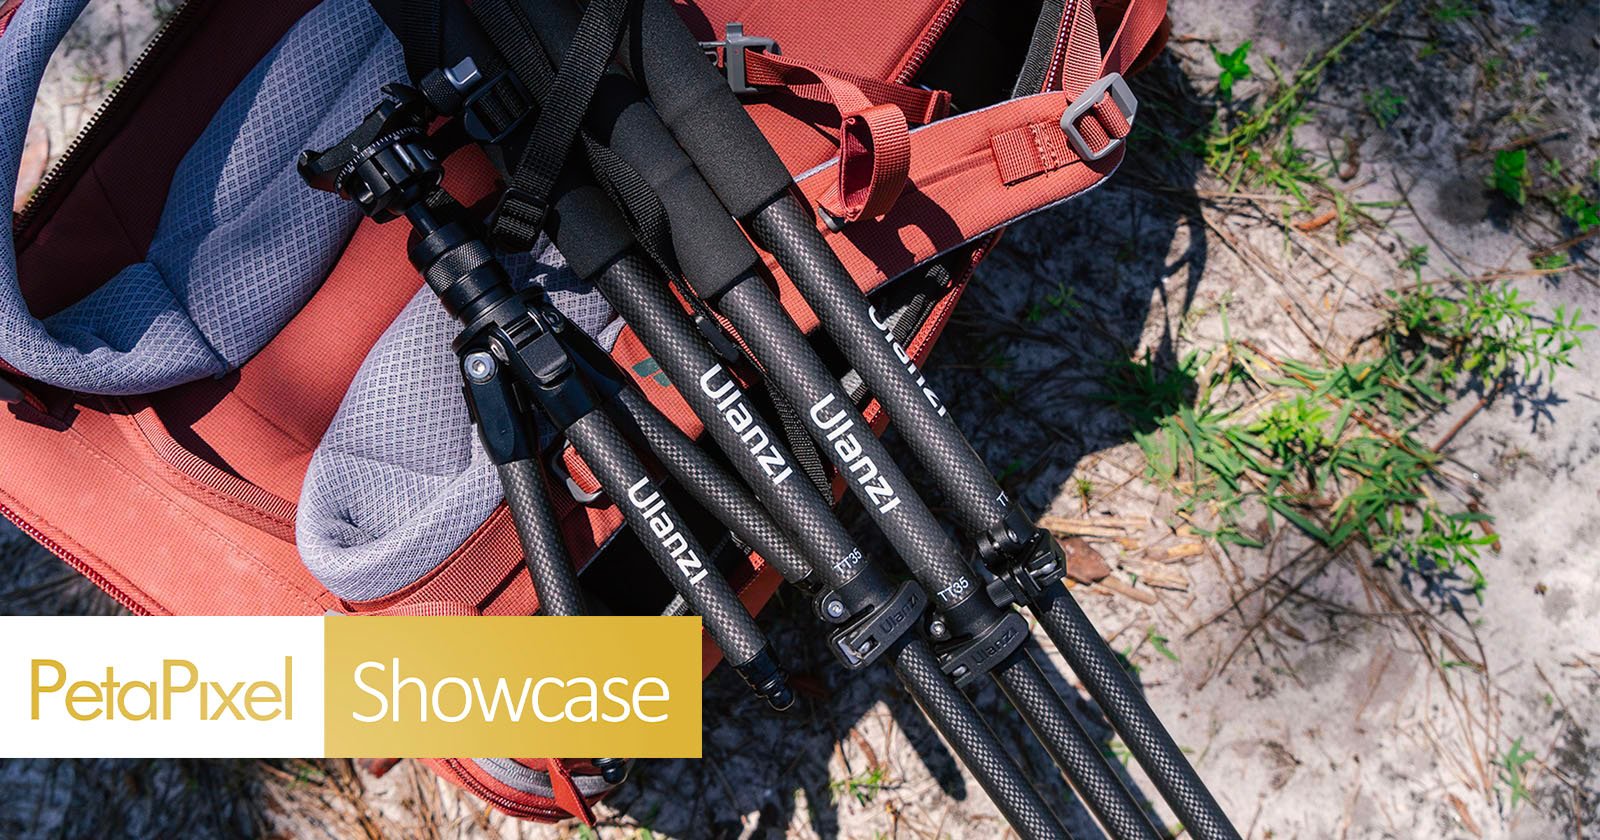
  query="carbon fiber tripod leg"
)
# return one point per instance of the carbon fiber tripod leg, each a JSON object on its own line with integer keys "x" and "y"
{"x": 679, "y": 555}
{"x": 722, "y": 495}
{"x": 974, "y": 743}
{"x": 542, "y": 547}
{"x": 1099, "y": 787}
{"x": 749, "y": 179}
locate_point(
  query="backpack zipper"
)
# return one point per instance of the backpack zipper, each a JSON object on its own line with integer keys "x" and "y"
{"x": 919, "y": 53}
{"x": 504, "y": 803}
{"x": 72, "y": 560}
{"x": 64, "y": 170}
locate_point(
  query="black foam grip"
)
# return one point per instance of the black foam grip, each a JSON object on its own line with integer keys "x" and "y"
{"x": 711, "y": 249}
{"x": 585, "y": 225}
{"x": 695, "y": 102}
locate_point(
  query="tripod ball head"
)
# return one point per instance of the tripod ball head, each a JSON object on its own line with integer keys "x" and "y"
{"x": 385, "y": 164}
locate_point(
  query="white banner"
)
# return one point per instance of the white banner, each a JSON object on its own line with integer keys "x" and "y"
{"x": 161, "y": 687}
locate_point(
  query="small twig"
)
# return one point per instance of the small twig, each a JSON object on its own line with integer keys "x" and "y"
{"x": 1122, "y": 587}
{"x": 1465, "y": 418}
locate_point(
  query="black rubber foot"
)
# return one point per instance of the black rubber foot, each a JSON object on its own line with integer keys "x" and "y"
{"x": 613, "y": 770}
{"x": 767, "y": 679}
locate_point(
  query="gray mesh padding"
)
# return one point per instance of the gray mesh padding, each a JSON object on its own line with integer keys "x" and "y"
{"x": 242, "y": 243}
{"x": 400, "y": 479}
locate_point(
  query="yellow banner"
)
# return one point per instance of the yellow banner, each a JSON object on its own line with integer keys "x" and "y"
{"x": 504, "y": 686}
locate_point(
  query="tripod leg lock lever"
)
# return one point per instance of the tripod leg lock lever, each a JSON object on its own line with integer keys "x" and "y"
{"x": 1024, "y": 558}
{"x": 861, "y": 642}
{"x": 969, "y": 660}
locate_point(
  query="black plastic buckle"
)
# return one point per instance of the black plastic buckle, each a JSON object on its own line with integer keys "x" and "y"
{"x": 865, "y": 639}
{"x": 469, "y": 82}
{"x": 1121, "y": 96}
{"x": 1024, "y": 558}
{"x": 522, "y": 208}
{"x": 734, "y": 43}
{"x": 967, "y": 661}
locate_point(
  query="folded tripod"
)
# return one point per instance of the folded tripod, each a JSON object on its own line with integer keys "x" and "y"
{"x": 639, "y": 193}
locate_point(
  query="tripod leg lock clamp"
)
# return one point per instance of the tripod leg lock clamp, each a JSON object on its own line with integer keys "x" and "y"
{"x": 865, "y": 639}
{"x": 493, "y": 407}
{"x": 1024, "y": 558}
{"x": 969, "y": 660}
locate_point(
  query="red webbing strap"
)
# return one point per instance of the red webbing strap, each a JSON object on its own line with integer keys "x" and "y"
{"x": 1030, "y": 150}
{"x": 874, "y": 128}
{"x": 920, "y": 105}
{"x": 566, "y": 791}
{"x": 1140, "y": 23}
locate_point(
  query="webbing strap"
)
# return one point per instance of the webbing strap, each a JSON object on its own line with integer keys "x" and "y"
{"x": 578, "y": 470}
{"x": 566, "y": 791}
{"x": 418, "y": 34}
{"x": 642, "y": 210}
{"x": 1030, "y": 150}
{"x": 522, "y": 209}
{"x": 511, "y": 32}
{"x": 763, "y": 69}
{"x": 874, "y": 128}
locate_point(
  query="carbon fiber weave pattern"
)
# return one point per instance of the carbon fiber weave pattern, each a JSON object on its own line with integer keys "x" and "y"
{"x": 706, "y": 591}
{"x": 645, "y": 301}
{"x": 974, "y": 743}
{"x": 1131, "y": 716}
{"x": 551, "y": 570}
{"x": 790, "y": 233}
{"x": 794, "y": 369}
{"x": 722, "y": 495}
{"x": 1072, "y": 749}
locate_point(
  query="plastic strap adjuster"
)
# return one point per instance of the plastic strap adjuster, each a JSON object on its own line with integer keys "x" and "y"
{"x": 734, "y": 43}
{"x": 1121, "y": 95}
{"x": 483, "y": 122}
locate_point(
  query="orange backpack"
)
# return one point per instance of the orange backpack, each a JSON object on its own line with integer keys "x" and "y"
{"x": 176, "y": 491}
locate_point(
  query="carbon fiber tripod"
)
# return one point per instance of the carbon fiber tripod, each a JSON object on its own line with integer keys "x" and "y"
{"x": 518, "y": 356}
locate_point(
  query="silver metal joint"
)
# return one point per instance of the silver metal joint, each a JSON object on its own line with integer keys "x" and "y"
{"x": 479, "y": 367}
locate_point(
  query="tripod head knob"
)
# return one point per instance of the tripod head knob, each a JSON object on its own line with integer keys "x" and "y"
{"x": 385, "y": 164}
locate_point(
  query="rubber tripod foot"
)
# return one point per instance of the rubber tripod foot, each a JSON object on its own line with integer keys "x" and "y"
{"x": 767, "y": 679}
{"x": 613, "y": 770}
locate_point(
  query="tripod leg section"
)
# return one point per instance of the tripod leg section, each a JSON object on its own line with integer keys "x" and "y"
{"x": 679, "y": 555}
{"x": 974, "y": 743}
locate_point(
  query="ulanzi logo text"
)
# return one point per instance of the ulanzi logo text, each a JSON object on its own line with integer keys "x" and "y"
{"x": 860, "y": 466}
{"x": 648, "y": 501}
{"x": 736, "y": 412}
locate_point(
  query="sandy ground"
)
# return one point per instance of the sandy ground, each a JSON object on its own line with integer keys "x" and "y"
{"x": 1322, "y": 696}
